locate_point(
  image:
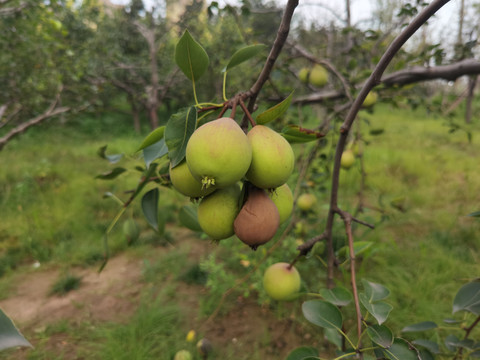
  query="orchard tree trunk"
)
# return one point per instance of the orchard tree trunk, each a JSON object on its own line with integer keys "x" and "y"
{"x": 472, "y": 82}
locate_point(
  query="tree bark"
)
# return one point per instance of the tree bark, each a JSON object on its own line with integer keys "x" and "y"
{"x": 472, "y": 82}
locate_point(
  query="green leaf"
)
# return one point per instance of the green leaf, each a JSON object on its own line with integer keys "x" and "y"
{"x": 334, "y": 337}
{"x": 155, "y": 136}
{"x": 102, "y": 152}
{"x": 190, "y": 57}
{"x": 374, "y": 291}
{"x": 468, "y": 298}
{"x": 358, "y": 248}
{"x": 188, "y": 218}
{"x": 427, "y": 344}
{"x": 274, "y": 112}
{"x": 421, "y": 326}
{"x": 452, "y": 342}
{"x": 380, "y": 310}
{"x": 180, "y": 127}
{"x": 381, "y": 335}
{"x": 400, "y": 350}
{"x": 425, "y": 354}
{"x": 154, "y": 152}
{"x": 150, "y": 207}
{"x": 112, "y": 174}
{"x": 302, "y": 352}
{"x": 323, "y": 314}
{"x": 9, "y": 334}
{"x": 339, "y": 296}
{"x": 243, "y": 55}
{"x": 296, "y": 134}
{"x": 474, "y": 214}
{"x": 451, "y": 321}
{"x": 146, "y": 179}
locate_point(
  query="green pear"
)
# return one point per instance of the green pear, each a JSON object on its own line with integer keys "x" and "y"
{"x": 184, "y": 182}
{"x": 219, "y": 153}
{"x": 217, "y": 212}
{"x": 306, "y": 201}
{"x": 273, "y": 159}
{"x": 131, "y": 230}
{"x": 258, "y": 220}
{"x": 370, "y": 100}
{"x": 281, "y": 281}
{"x": 183, "y": 355}
{"x": 347, "y": 160}
{"x": 282, "y": 197}
{"x": 318, "y": 76}
{"x": 303, "y": 75}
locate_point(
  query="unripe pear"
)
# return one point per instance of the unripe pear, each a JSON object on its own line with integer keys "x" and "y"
{"x": 347, "y": 160}
{"x": 272, "y": 158}
{"x": 219, "y": 153}
{"x": 370, "y": 100}
{"x": 306, "y": 201}
{"x": 281, "y": 281}
{"x": 258, "y": 220}
{"x": 184, "y": 182}
{"x": 318, "y": 76}
{"x": 183, "y": 355}
{"x": 282, "y": 197}
{"x": 303, "y": 75}
{"x": 131, "y": 230}
{"x": 217, "y": 212}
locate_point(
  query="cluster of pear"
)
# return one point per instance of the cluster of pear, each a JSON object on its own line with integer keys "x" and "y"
{"x": 316, "y": 76}
{"x": 219, "y": 159}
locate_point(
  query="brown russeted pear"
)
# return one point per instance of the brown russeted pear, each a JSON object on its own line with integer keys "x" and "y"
{"x": 184, "y": 182}
{"x": 281, "y": 281}
{"x": 272, "y": 158}
{"x": 217, "y": 212}
{"x": 283, "y": 199}
{"x": 258, "y": 220}
{"x": 219, "y": 153}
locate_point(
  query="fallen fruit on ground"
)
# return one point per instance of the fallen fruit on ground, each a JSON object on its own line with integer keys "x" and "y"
{"x": 218, "y": 153}
{"x": 318, "y": 76}
{"x": 258, "y": 220}
{"x": 347, "y": 160}
{"x": 184, "y": 182}
{"x": 306, "y": 201}
{"x": 183, "y": 355}
{"x": 217, "y": 212}
{"x": 204, "y": 347}
{"x": 272, "y": 158}
{"x": 282, "y": 197}
{"x": 281, "y": 281}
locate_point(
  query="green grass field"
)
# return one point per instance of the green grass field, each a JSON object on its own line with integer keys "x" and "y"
{"x": 54, "y": 215}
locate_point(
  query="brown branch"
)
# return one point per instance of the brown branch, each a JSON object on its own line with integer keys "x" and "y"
{"x": 51, "y": 111}
{"x": 372, "y": 81}
{"x": 277, "y": 47}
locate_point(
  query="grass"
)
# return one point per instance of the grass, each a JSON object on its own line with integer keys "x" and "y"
{"x": 65, "y": 283}
{"x": 53, "y": 212}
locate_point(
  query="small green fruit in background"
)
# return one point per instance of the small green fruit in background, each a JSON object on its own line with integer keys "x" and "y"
{"x": 303, "y": 75}
{"x": 131, "y": 230}
{"x": 318, "y": 76}
{"x": 357, "y": 148}
{"x": 217, "y": 212}
{"x": 281, "y": 282}
{"x": 273, "y": 159}
{"x": 370, "y": 100}
{"x": 184, "y": 182}
{"x": 306, "y": 201}
{"x": 282, "y": 197}
{"x": 258, "y": 220}
{"x": 183, "y": 355}
{"x": 219, "y": 153}
{"x": 347, "y": 160}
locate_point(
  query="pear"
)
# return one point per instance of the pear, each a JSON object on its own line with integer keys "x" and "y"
{"x": 183, "y": 355}
{"x": 282, "y": 197}
{"x": 347, "y": 160}
{"x": 258, "y": 220}
{"x": 318, "y": 76}
{"x": 281, "y": 281}
{"x": 218, "y": 153}
{"x": 306, "y": 201}
{"x": 184, "y": 182}
{"x": 303, "y": 75}
{"x": 217, "y": 212}
{"x": 272, "y": 158}
{"x": 370, "y": 100}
